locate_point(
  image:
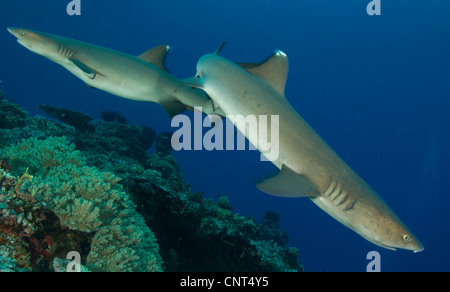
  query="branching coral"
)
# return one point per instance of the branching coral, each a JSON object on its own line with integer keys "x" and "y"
{"x": 88, "y": 200}
{"x": 40, "y": 156}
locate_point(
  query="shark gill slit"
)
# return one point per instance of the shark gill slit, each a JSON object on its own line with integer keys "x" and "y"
{"x": 66, "y": 52}
{"x": 335, "y": 190}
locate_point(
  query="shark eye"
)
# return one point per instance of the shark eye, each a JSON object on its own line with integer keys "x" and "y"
{"x": 21, "y": 32}
{"x": 406, "y": 238}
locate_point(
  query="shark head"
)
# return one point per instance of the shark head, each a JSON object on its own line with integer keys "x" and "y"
{"x": 36, "y": 42}
{"x": 208, "y": 65}
{"x": 395, "y": 236}
{"x": 388, "y": 231}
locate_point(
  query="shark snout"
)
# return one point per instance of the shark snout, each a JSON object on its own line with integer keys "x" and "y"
{"x": 17, "y": 32}
{"x": 24, "y": 37}
{"x": 14, "y": 31}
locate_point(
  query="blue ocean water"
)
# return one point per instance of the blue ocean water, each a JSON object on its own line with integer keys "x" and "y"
{"x": 376, "y": 88}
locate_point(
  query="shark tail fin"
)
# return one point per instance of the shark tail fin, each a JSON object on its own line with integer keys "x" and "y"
{"x": 288, "y": 183}
{"x": 156, "y": 56}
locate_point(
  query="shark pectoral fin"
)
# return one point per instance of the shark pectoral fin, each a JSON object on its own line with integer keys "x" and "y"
{"x": 173, "y": 108}
{"x": 288, "y": 183}
{"x": 156, "y": 56}
{"x": 88, "y": 71}
{"x": 273, "y": 71}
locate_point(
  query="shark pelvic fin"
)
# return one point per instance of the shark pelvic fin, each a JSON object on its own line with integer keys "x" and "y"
{"x": 173, "y": 108}
{"x": 288, "y": 183}
{"x": 88, "y": 71}
{"x": 274, "y": 70}
{"x": 195, "y": 82}
{"x": 156, "y": 56}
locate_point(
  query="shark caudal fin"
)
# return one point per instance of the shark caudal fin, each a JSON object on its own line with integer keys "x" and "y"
{"x": 156, "y": 56}
{"x": 288, "y": 183}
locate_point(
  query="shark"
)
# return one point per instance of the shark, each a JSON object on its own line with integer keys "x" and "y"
{"x": 308, "y": 166}
{"x": 142, "y": 78}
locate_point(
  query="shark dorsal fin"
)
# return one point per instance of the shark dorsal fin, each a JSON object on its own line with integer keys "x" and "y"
{"x": 156, "y": 56}
{"x": 274, "y": 70}
{"x": 288, "y": 183}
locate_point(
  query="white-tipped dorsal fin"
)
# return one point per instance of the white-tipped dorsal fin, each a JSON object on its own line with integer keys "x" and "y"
{"x": 156, "y": 56}
{"x": 274, "y": 70}
{"x": 288, "y": 183}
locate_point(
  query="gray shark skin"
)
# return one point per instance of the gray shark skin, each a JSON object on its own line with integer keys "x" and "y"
{"x": 142, "y": 78}
{"x": 308, "y": 166}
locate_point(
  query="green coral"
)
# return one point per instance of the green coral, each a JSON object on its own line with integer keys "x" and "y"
{"x": 88, "y": 200}
{"x": 82, "y": 197}
{"x": 40, "y": 156}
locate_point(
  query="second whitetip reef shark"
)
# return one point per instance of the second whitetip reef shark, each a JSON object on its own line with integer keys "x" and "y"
{"x": 308, "y": 166}
{"x": 142, "y": 78}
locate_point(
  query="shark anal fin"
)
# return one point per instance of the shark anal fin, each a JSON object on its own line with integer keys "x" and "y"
{"x": 88, "y": 71}
{"x": 273, "y": 71}
{"x": 173, "y": 108}
{"x": 288, "y": 183}
{"x": 215, "y": 106}
{"x": 156, "y": 56}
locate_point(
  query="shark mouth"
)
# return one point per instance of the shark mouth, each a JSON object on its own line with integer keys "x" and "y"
{"x": 24, "y": 44}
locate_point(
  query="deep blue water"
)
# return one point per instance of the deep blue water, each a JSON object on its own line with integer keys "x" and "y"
{"x": 376, "y": 88}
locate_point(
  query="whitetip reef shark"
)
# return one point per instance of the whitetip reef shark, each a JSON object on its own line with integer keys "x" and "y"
{"x": 142, "y": 78}
{"x": 308, "y": 166}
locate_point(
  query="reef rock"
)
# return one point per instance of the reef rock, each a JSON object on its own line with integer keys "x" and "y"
{"x": 99, "y": 191}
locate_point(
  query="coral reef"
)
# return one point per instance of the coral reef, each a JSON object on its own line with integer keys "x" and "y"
{"x": 70, "y": 117}
{"x": 10, "y": 115}
{"x": 96, "y": 190}
{"x": 90, "y": 201}
{"x": 31, "y": 235}
{"x": 204, "y": 235}
{"x": 113, "y": 116}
